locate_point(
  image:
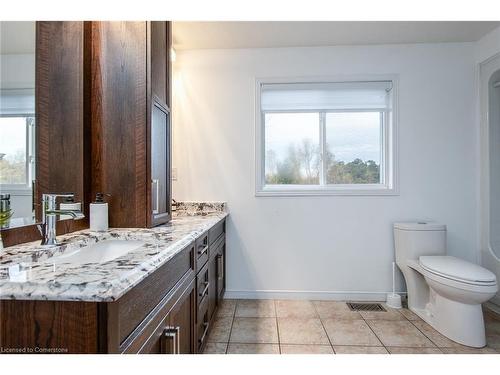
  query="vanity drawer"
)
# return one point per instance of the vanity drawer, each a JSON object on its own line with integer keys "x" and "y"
{"x": 201, "y": 250}
{"x": 215, "y": 232}
{"x": 135, "y": 305}
{"x": 202, "y": 285}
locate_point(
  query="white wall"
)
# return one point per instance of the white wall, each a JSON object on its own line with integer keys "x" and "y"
{"x": 488, "y": 45}
{"x": 336, "y": 246}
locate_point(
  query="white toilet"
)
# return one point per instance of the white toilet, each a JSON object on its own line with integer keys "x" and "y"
{"x": 444, "y": 291}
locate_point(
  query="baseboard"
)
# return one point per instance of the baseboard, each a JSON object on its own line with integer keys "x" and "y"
{"x": 308, "y": 295}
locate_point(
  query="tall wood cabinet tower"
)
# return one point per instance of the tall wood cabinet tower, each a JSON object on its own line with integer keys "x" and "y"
{"x": 129, "y": 97}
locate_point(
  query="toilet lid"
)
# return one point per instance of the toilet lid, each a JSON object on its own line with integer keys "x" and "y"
{"x": 457, "y": 269}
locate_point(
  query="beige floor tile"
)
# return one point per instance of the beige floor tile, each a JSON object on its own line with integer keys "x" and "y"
{"x": 302, "y": 331}
{"x": 253, "y": 349}
{"x": 335, "y": 310}
{"x": 469, "y": 351}
{"x": 399, "y": 333}
{"x": 408, "y": 314}
{"x": 437, "y": 338}
{"x": 350, "y": 332}
{"x": 352, "y": 349}
{"x": 389, "y": 314}
{"x": 306, "y": 349}
{"x": 397, "y": 350}
{"x": 221, "y": 330}
{"x": 254, "y": 331}
{"x": 295, "y": 309}
{"x": 226, "y": 308}
{"x": 215, "y": 348}
{"x": 255, "y": 309}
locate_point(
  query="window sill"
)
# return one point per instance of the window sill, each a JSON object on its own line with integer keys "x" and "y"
{"x": 16, "y": 191}
{"x": 300, "y": 191}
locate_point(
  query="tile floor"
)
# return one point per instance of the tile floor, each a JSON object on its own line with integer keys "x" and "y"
{"x": 328, "y": 327}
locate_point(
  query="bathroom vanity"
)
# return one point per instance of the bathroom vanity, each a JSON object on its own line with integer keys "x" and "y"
{"x": 102, "y": 102}
{"x": 160, "y": 296}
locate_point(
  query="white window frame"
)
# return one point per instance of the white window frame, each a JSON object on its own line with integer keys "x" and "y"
{"x": 389, "y": 159}
{"x": 27, "y": 188}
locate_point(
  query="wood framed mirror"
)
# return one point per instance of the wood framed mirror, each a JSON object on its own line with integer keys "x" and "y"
{"x": 42, "y": 124}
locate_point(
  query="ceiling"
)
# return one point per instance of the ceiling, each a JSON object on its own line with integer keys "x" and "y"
{"x": 17, "y": 37}
{"x": 262, "y": 34}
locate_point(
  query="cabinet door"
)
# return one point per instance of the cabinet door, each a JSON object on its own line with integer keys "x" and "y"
{"x": 159, "y": 57}
{"x": 160, "y": 164}
{"x": 182, "y": 321}
{"x": 212, "y": 286}
{"x": 162, "y": 341}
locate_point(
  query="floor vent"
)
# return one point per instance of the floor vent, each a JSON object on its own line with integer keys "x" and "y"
{"x": 363, "y": 306}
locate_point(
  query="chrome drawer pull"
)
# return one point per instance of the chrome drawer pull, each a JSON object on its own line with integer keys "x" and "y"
{"x": 155, "y": 183}
{"x": 220, "y": 266}
{"x": 204, "y": 332}
{"x": 205, "y": 290}
{"x": 203, "y": 251}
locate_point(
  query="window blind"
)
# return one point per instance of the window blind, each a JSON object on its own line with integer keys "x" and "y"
{"x": 17, "y": 101}
{"x": 326, "y": 96}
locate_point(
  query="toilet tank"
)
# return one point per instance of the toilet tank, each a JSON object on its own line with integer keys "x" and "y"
{"x": 411, "y": 240}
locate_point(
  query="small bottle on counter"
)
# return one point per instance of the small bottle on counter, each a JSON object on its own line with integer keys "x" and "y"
{"x": 99, "y": 214}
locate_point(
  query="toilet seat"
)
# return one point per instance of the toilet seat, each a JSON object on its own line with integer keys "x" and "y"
{"x": 457, "y": 270}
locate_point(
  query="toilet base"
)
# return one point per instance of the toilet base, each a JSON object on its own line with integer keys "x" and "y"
{"x": 460, "y": 322}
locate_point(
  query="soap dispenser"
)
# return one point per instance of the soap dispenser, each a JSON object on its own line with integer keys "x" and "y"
{"x": 99, "y": 214}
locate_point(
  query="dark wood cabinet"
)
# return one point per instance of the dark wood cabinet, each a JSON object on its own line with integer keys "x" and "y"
{"x": 175, "y": 333}
{"x": 118, "y": 118}
{"x": 160, "y": 151}
{"x": 167, "y": 312}
{"x": 159, "y": 60}
{"x": 182, "y": 321}
{"x": 159, "y": 124}
{"x": 210, "y": 280}
{"x": 130, "y": 120}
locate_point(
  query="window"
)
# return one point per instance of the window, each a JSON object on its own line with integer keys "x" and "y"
{"x": 325, "y": 138}
{"x": 17, "y": 159}
{"x": 17, "y": 140}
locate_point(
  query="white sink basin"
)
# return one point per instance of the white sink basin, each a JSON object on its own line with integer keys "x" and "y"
{"x": 100, "y": 252}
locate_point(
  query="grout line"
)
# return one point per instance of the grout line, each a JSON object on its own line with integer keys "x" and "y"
{"x": 233, "y": 317}
{"x": 324, "y": 328}
{"x": 277, "y": 325}
{"x": 371, "y": 329}
{"x": 232, "y": 323}
{"x": 423, "y": 333}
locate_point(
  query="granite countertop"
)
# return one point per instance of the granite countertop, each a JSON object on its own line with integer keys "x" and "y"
{"x": 26, "y": 271}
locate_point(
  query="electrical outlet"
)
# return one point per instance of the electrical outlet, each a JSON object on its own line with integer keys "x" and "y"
{"x": 174, "y": 174}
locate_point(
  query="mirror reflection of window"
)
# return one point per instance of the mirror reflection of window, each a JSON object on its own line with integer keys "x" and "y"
{"x": 17, "y": 118}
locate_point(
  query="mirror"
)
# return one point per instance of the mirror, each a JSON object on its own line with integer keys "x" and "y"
{"x": 17, "y": 123}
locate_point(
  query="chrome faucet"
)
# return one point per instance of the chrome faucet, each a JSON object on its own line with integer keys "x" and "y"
{"x": 49, "y": 217}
